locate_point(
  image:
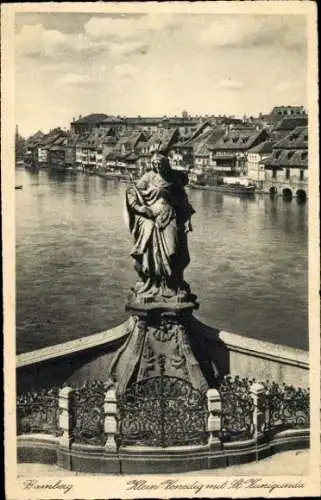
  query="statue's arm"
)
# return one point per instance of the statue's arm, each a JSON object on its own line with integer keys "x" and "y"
{"x": 135, "y": 204}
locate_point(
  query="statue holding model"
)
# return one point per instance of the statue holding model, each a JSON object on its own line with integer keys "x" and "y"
{"x": 159, "y": 344}
{"x": 159, "y": 217}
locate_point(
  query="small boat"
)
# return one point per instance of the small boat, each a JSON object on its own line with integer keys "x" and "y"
{"x": 18, "y": 187}
{"x": 109, "y": 175}
{"x": 226, "y": 188}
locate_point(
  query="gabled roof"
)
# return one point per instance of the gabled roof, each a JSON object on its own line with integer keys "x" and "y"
{"x": 209, "y": 137}
{"x": 53, "y": 137}
{"x": 297, "y": 139}
{"x": 263, "y": 147}
{"x": 199, "y": 131}
{"x": 242, "y": 139}
{"x": 94, "y": 138}
{"x": 131, "y": 140}
{"x": 35, "y": 137}
{"x": 291, "y": 123}
{"x": 286, "y": 158}
{"x": 35, "y": 140}
{"x": 163, "y": 137}
{"x": 215, "y": 136}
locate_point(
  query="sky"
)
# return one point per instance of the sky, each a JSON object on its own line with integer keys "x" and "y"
{"x": 71, "y": 64}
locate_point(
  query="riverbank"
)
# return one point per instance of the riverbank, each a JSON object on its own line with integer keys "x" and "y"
{"x": 74, "y": 271}
{"x": 274, "y": 191}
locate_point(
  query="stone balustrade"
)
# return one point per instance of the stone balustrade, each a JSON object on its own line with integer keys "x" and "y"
{"x": 110, "y": 423}
{"x": 239, "y": 408}
{"x": 239, "y": 417}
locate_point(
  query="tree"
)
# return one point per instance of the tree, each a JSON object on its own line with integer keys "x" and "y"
{"x": 20, "y": 145}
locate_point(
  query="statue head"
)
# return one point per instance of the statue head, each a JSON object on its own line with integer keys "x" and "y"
{"x": 160, "y": 163}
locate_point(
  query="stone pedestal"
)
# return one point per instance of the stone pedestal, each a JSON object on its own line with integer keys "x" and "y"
{"x": 159, "y": 345}
{"x": 160, "y": 386}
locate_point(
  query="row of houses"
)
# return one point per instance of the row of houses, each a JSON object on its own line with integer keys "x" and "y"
{"x": 270, "y": 155}
{"x": 286, "y": 167}
{"x": 274, "y": 158}
{"x": 127, "y": 125}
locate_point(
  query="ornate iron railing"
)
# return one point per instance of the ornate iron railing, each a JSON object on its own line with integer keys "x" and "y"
{"x": 38, "y": 412}
{"x": 285, "y": 406}
{"x": 162, "y": 411}
{"x": 165, "y": 411}
{"x": 236, "y": 409}
{"x": 88, "y": 413}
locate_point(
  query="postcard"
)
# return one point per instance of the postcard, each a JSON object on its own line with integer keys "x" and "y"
{"x": 161, "y": 264}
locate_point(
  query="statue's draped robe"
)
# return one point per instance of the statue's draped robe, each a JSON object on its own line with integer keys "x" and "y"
{"x": 160, "y": 244}
{"x": 158, "y": 344}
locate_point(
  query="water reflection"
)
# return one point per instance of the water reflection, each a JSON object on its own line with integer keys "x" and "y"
{"x": 73, "y": 264}
{"x": 301, "y": 218}
{"x": 34, "y": 175}
{"x": 58, "y": 176}
{"x": 219, "y": 201}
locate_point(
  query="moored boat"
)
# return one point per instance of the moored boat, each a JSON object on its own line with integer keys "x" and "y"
{"x": 18, "y": 187}
{"x": 226, "y": 188}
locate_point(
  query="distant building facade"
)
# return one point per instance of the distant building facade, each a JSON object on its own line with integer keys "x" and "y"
{"x": 255, "y": 163}
{"x": 280, "y": 112}
{"x": 185, "y": 125}
{"x": 286, "y": 169}
{"x": 228, "y": 154}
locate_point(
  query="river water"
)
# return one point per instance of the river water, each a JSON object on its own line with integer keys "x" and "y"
{"x": 249, "y": 261}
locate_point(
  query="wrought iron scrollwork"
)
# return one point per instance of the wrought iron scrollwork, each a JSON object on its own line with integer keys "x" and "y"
{"x": 162, "y": 411}
{"x": 88, "y": 413}
{"x": 237, "y": 409}
{"x": 38, "y": 412}
{"x": 285, "y": 406}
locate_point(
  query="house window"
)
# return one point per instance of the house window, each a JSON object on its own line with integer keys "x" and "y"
{"x": 274, "y": 173}
{"x": 301, "y": 175}
{"x": 287, "y": 173}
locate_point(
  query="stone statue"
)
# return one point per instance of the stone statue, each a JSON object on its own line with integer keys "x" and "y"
{"x": 159, "y": 218}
